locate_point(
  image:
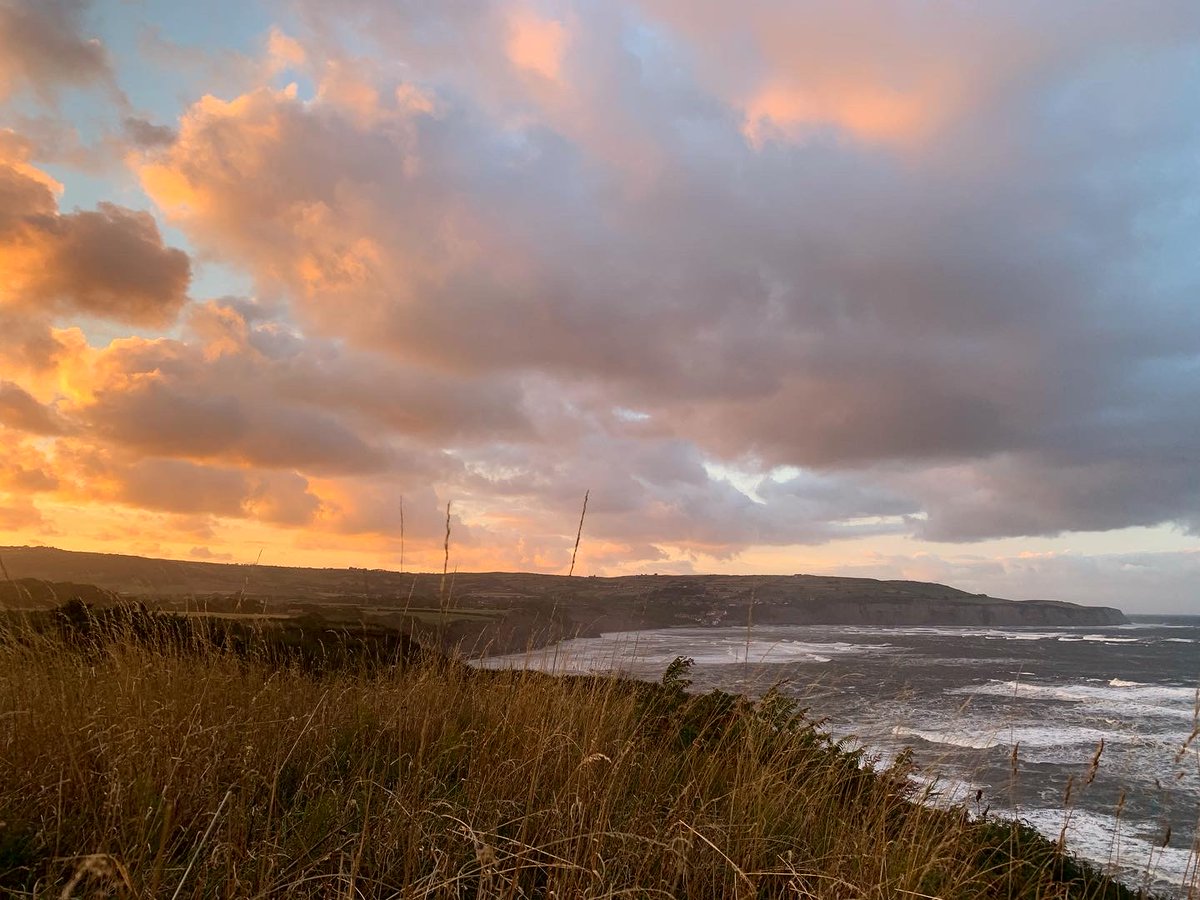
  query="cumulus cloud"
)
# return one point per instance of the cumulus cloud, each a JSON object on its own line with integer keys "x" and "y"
{"x": 880, "y": 272}
{"x": 253, "y": 390}
{"x": 109, "y": 262}
{"x": 761, "y": 276}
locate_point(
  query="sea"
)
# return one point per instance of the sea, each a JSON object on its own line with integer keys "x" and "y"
{"x": 1007, "y": 721}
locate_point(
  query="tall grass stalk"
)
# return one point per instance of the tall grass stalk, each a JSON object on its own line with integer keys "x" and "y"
{"x": 579, "y": 533}
{"x": 445, "y": 562}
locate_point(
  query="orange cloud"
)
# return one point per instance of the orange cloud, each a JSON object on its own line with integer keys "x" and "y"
{"x": 25, "y": 467}
{"x": 108, "y": 262}
{"x": 344, "y": 87}
{"x": 175, "y": 188}
{"x": 21, "y": 411}
{"x": 536, "y": 44}
{"x": 869, "y": 112}
{"x": 318, "y": 240}
{"x": 283, "y": 52}
{"x": 19, "y": 515}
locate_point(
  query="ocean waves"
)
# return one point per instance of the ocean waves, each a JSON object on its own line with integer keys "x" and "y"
{"x": 1117, "y": 696}
{"x": 963, "y": 698}
{"x": 653, "y": 651}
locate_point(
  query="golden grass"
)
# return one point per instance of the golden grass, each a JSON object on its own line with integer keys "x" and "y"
{"x": 143, "y": 773}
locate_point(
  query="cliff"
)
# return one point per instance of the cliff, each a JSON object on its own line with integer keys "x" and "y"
{"x": 648, "y": 601}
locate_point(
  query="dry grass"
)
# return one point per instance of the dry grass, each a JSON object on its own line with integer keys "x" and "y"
{"x": 144, "y": 773}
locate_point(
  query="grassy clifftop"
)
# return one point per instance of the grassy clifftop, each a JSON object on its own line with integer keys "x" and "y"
{"x": 140, "y": 769}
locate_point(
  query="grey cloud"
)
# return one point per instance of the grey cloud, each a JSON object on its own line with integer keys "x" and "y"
{"x": 43, "y": 47}
{"x": 368, "y": 391}
{"x": 1032, "y": 496}
{"x": 108, "y": 262}
{"x": 225, "y": 393}
{"x": 187, "y": 488}
{"x": 182, "y": 420}
{"x": 1010, "y": 295}
{"x": 21, "y": 411}
{"x": 146, "y": 134}
{"x": 179, "y": 486}
{"x": 655, "y": 492}
{"x": 25, "y": 343}
{"x": 21, "y": 196}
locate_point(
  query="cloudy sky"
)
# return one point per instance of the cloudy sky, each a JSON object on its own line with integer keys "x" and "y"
{"x": 878, "y": 288}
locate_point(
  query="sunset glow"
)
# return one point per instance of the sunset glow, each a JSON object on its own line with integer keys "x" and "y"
{"x": 787, "y": 290}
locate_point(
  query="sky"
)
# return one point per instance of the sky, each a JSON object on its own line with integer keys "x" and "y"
{"x": 890, "y": 288}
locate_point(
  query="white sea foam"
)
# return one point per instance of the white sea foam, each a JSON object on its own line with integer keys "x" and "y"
{"x": 1015, "y": 636}
{"x": 957, "y": 631}
{"x": 755, "y": 652}
{"x": 949, "y": 738}
{"x": 1068, "y": 737}
{"x": 978, "y": 735}
{"x": 1121, "y": 697}
{"x": 1120, "y": 847}
{"x": 654, "y": 651}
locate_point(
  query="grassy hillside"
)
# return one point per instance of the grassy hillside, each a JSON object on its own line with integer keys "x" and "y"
{"x": 506, "y": 611}
{"x": 140, "y": 766}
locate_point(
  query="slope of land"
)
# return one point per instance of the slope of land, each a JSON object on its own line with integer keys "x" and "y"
{"x": 507, "y": 611}
{"x": 140, "y": 768}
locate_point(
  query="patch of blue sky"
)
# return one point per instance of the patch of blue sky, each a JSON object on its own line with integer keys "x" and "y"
{"x": 745, "y": 480}
{"x": 85, "y": 190}
{"x": 749, "y": 478}
{"x": 212, "y": 280}
{"x": 171, "y": 53}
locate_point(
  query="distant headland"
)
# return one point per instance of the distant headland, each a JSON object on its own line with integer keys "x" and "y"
{"x": 502, "y": 611}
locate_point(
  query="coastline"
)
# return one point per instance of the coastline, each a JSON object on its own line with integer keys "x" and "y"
{"x": 445, "y": 777}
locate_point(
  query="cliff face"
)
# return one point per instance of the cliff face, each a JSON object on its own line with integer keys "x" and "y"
{"x": 817, "y": 600}
{"x": 947, "y": 612}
